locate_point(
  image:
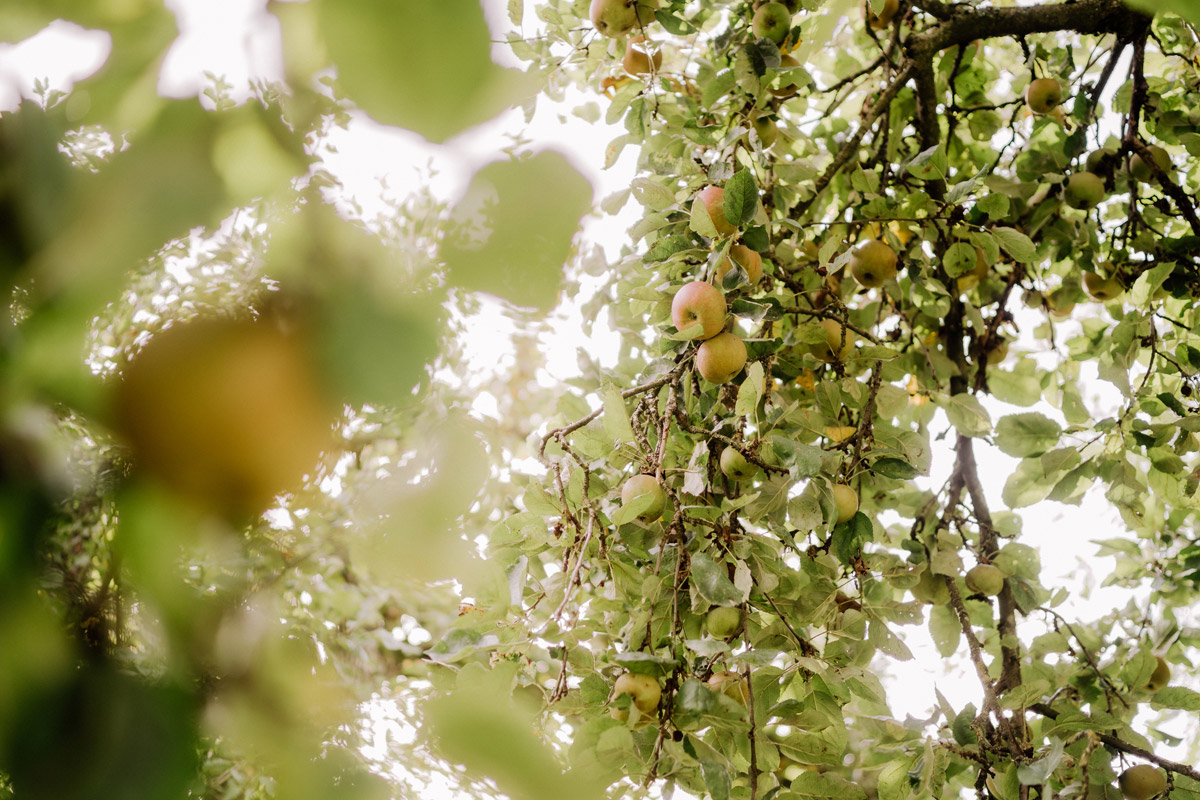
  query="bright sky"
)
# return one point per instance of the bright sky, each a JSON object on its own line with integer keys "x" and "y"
{"x": 239, "y": 40}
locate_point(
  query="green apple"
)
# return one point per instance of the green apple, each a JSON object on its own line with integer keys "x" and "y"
{"x": 847, "y": 502}
{"x": 970, "y": 280}
{"x": 1096, "y": 156}
{"x": 883, "y": 18}
{"x": 713, "y": 198}
{"x": 1140, "y": 170}
{"x": 838, "y": 344}
{"x": 1043, "y": 95}
{"x": 1083, "y": 190}
{"x": 1160, "y": 677}
{"x": 785, "y": 91}
{"x": 644, "y": 692}
{"x": 1100, "y": 288}
{"x": 640, "y": 486}
{"x": 1060, "y": 303}
{"x": 730, "y": 684}
{"x": 772, "y": 21}
{"x": 735, "y": 466}
{"x": 721, "y": 357}
{"x": 750, "y": 261}
{"x": 723, "y": 621}
{"x": 872, "y": 262}
{"x": 1142, "y": 782}
{"x": 985, "y": 579}
{"x": 619, "y": 17}
{"x": 998, "y": 353}
{"x": 767, "y": 130}
{"x": 638, "y": 59}
{"x": 699, "y": 302}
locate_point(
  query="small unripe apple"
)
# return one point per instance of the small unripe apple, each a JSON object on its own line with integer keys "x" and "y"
{"x": 1043, "y": 95}
{"x": 641, "y": 486}
{"x": 1084, "y": 190}
{"x": 1160, "y": 677}
{"x": 713, "y": 198}
{"x": 723, "y": 621}
{"x": 721, "y": 357}
{"x": 643, "y": 690}
{"x": 735, "y": 466}
{"x": 847, "y": 502}
{"x": 750, "y": 261}
{"x": 838, "y": 344}
{"x": 972, "y": 278}
{"x": 872, "y": 262}
{"x": 1101, "y": 289}
{"x": 1142, "y": 782}
{"x": 1140, "y": 170}
{"x": 772, "y": 21}
{"x": 883, "y": 18}
{"x": 699, "y": 302}
{"x": 731, "y": 684}
{"x": 619, "y": 17}
{"x": 638, "y": 58}
{"x": 1060, "y": 303}
{"x": 1096, "y": 156}
{"x": 985, "y": 579}
{"x": 786, "y": 62}
{"x": 998, "y": 353}
{"x": 767, "y": 130}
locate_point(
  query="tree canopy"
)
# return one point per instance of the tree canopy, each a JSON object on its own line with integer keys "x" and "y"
{"x": 254, "y": 544}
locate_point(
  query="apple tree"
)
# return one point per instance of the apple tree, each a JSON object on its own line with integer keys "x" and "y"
{"x": 863, "y": 236}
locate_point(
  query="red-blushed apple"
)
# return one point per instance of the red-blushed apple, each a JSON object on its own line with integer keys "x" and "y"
{"x": 749, "y": 260}
{"x": 699, "y": 302}
{"x": 713, "y": 198}
{"x": 638, "y": 57}
{"x": 720, "y": 358}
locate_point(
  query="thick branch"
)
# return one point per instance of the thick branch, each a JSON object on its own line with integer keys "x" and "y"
{"x": 1086, "y": 16}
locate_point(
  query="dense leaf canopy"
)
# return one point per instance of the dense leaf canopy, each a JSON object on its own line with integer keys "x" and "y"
{"x": 253, "y": 544}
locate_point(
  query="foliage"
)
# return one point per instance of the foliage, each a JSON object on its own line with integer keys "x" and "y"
{"x": 178, "y": 638}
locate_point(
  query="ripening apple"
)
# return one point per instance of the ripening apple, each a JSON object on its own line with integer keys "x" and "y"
{"x": 1160, "y": 677}
{"x": 1101, "y": 289}
{"x": 1043, "y": 95}
{"x": 838, "y": 344}
{"x": 641, "y": 486}
{"x": 750, "y": 261}
{"x": 1083, "y": 190}
{"x": 1142, "y": 782}
{"x": 872, "y": 262}
{"x": 883, "y": 18}
{"x": 699, "y": 302}
{"x": 772, "y": 21}
{"x": 723, "y": 621}
{"x": 644, "y": 692}
{"x": 1140, "y": 170}
{"x": 227, "y": 413}
{"x": 619, "y": 17}
{"x": 767, "y": 130}
{"x": 638, "y": 59}
{"x": 730, "y": 684}
{"x": 786, "y": 62}
{"x": 713, "y": 198}
{"x": 985, "y": 579}
{"x": 721, "y": 357}
{"x": 735, "y": 466}
{"x": 846, "y": 500}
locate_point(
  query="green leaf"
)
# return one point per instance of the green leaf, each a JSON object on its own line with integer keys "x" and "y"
{"x": 616, "y": 416}
{"x": 667, "y": 247}
{"x": 716, "y": 779}
{"x": 895, "y": 468}
{"x": 960, "y": 259}
{"x": 967, "y": 415}
{"x": 701, "y": 222}
{"x": 1029, "y": 434}
{"x": 1149, "y": 282}
{"x": 945, "y": 629}
{"x": 1184, "y": 8}
{"x": 1177, "y": 697}
{"x": 750, "y": 392}
{"x": 850, "y": 536}
{"x": 391, "y": 59}
{"x": 514, "y": 228}
{"x": 713, "y": 582}
{"x": 1016, "y": 244}
{"x": 1036, "y": 773}
{"x": 741, "y": 199}
{"x": 823, "y": 786}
